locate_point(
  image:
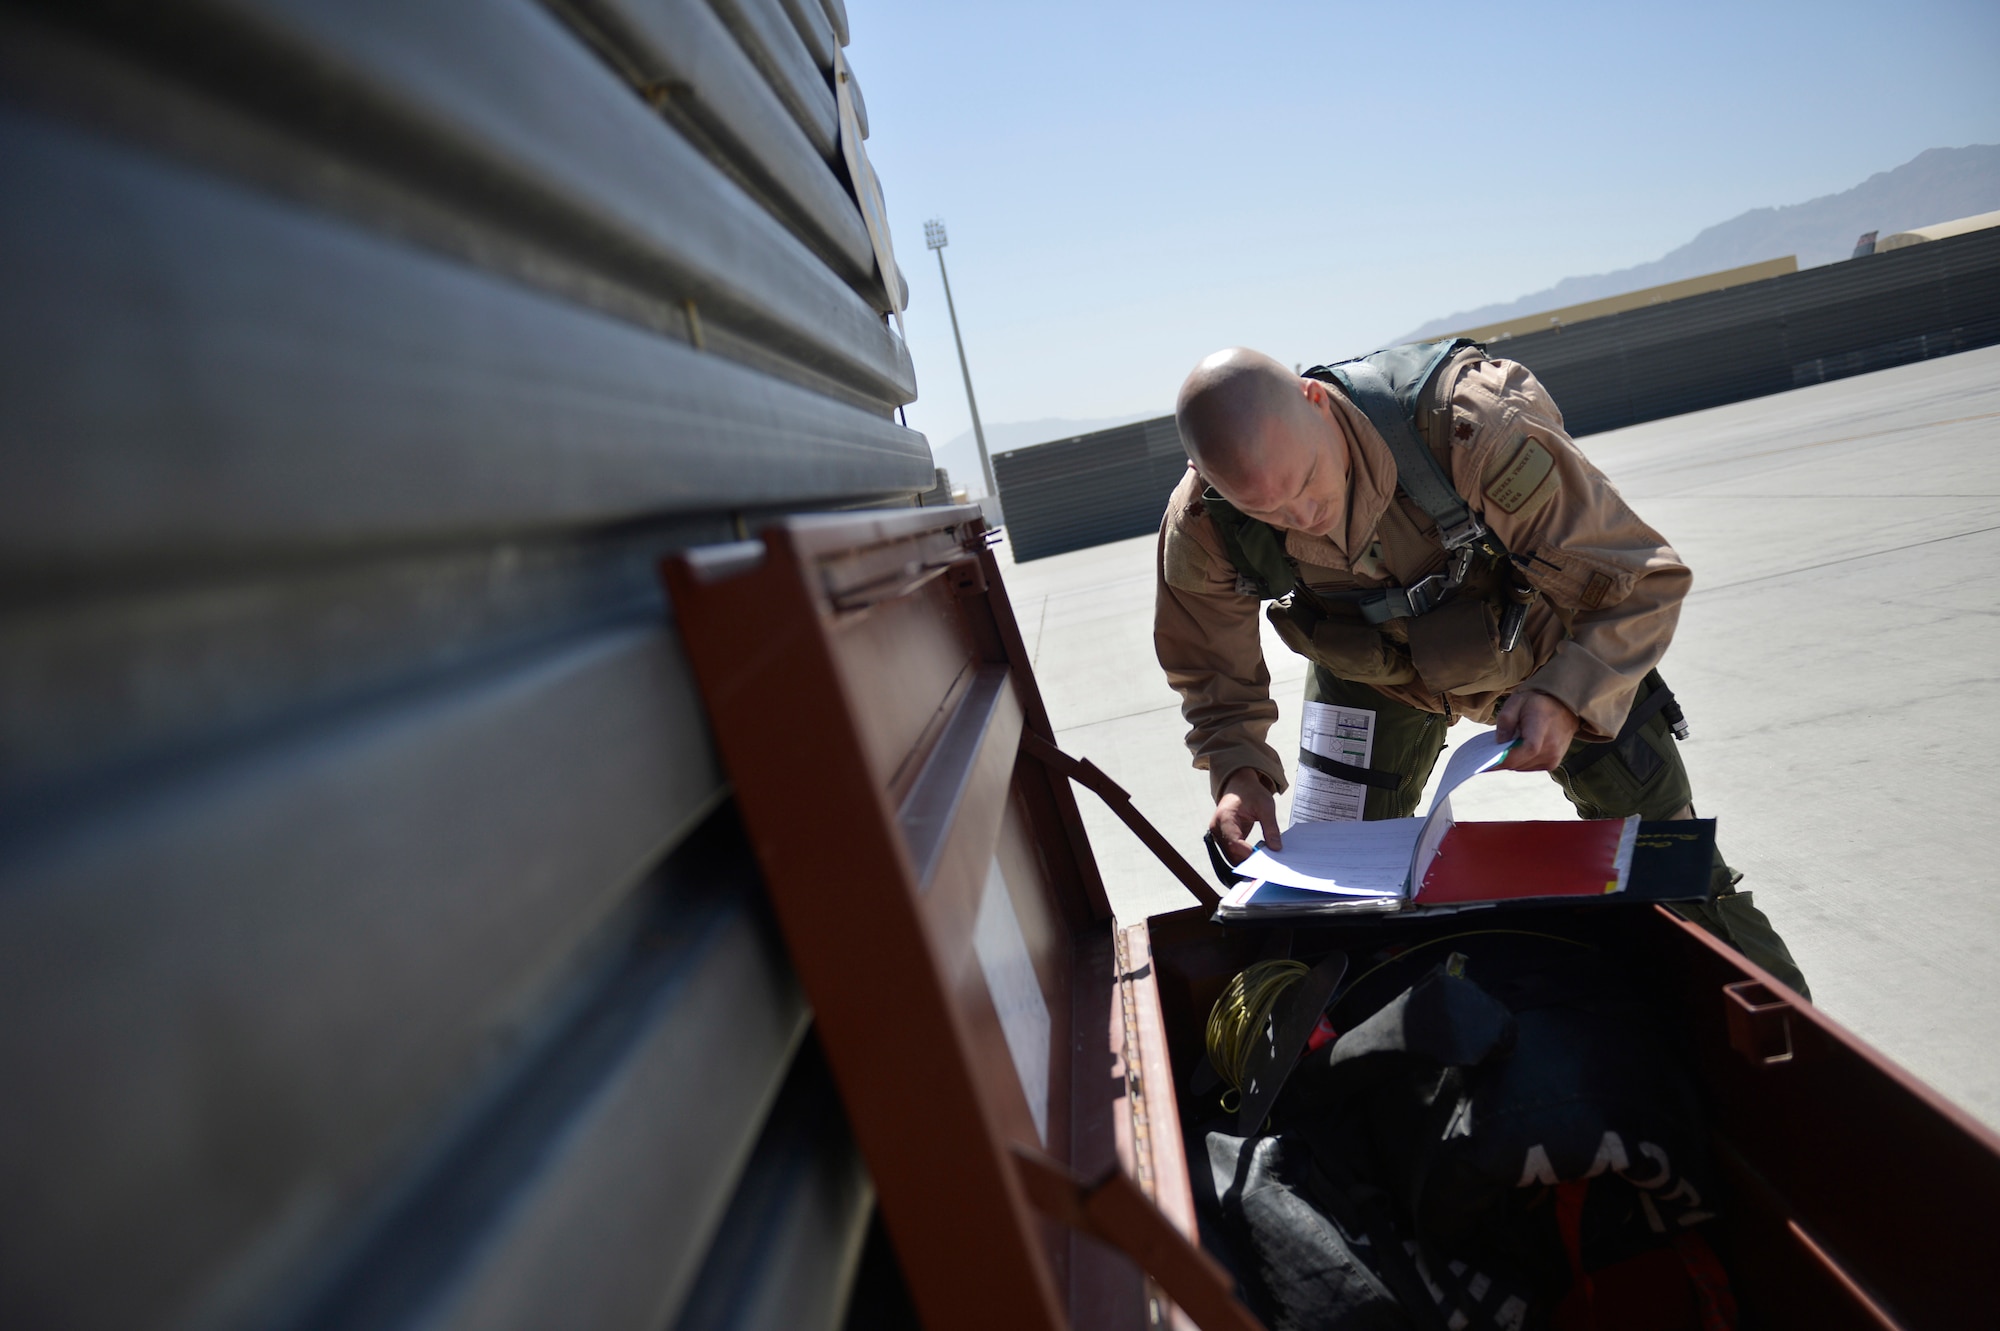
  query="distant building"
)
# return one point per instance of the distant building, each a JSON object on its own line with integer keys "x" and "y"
{"x": 1937, "y": 231}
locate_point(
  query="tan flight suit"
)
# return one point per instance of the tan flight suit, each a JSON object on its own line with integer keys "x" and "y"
{"x": 1607, "y": 591}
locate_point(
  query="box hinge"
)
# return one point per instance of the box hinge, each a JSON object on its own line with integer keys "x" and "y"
{"x": 1113, "y": 1209}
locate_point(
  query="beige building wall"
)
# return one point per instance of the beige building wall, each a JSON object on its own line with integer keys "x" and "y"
{"x": 1937, "y": 231}
{"x": 1631, "y": 300}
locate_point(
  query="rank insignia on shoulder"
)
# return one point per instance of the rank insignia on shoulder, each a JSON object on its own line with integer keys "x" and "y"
{"x": 1463, "y": 430}
{"x": 1529, "y": 476}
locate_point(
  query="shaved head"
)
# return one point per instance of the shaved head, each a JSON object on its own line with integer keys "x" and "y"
{"x": 1230, "y": 403}
{"x": 1267, "y": 439}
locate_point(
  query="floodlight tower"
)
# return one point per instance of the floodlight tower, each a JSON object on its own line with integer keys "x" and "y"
{"x": 934, "y": 240}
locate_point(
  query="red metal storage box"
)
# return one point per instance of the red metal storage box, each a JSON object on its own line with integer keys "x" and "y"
{"x": 1010, "y": 1056}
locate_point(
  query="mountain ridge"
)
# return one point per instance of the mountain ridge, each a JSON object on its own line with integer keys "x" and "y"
{"x": 1937, "y": 185}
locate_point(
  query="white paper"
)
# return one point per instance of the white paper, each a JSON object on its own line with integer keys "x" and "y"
{"x": 1379, "y": 859}
{"x": 1481, "y": 753}
{"x": 1351, "y": 859}
{"x": 1344, "y": 734}
{"x": 1476, "y": 755}
{"x": 1239, "y": 896}
{"x": 1438, "y": 822}
{"x": 1258, "y": 896}
{"x": 1017, "y": 995}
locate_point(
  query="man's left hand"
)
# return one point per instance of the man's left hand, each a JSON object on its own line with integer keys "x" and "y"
{"x": 1544, "y": 726}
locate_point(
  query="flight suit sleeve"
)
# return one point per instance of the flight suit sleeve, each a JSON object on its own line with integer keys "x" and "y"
{"x": 1207, "y": 637}
{"x": 1614, "y": 582}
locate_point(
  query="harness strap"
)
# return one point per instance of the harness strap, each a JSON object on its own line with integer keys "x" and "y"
{"x": 1417, "y": 469}
{"x": 1255, "y": 548}
{"x": 1418, "y": 598}
{"x": 1384, "y": 604}
{"x": 1367, "y": 776}
{"x": 1655, "y": 702}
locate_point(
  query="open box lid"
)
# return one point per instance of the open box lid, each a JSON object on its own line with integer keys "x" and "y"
{"x": 878, "y": 716}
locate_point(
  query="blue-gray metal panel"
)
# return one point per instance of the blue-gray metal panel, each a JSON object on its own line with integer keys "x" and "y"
{"x": 592, "y": 1175}
{"x": 96, "y": 681}
{"x": 860, "y": 102}
{"x": 59, "y": 73}
{"x": 230, "y": 1005}
{"x": 836, "y": 13}
{"x": 785, "y": 1256}
{"x": 611, "y": 1229}
{"x": 814, "y": 29}
{"x": 682, "y": 52}
{"x": 496, "y": 98}
{"x": 770, "y": 39}
{"x": 348, "y": 544}
{"x": 190, "y": 368}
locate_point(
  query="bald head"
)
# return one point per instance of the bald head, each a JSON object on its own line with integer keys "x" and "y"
{"x": 1234, "y": 407}
{"x": 1267, "y": 439}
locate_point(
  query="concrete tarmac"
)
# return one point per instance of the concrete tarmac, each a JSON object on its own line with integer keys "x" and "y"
{"x": 1839, "y": 662}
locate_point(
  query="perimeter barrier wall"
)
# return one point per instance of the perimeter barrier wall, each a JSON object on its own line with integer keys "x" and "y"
{"x": 1701, "y": 351}
{"x": 1085, "y": 491}
{"x": 378, "y": 946}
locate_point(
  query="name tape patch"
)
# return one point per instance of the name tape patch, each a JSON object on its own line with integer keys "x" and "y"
{"x": 1523, "y": 478}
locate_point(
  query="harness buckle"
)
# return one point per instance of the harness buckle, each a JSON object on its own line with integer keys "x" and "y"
{"x": 1425, "y": 595}
{"x": 1461, "y": 533}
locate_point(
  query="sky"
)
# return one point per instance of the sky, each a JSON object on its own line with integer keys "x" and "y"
{"x": 1127, "y": 187}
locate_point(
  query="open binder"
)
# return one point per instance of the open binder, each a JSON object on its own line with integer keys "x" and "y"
{"x": 1482, "y": 865}
{"x": 1436, "y": 863}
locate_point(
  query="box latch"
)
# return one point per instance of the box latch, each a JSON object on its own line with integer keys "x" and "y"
{"x": 1760, "y": 1022}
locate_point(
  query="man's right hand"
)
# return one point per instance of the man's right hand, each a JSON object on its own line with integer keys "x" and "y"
{"x": 1246, "y": 802}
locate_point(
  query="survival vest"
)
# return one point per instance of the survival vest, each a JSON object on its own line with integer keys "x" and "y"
{"x": 1389, "y": 387}
{"x": 1482, "y": 596}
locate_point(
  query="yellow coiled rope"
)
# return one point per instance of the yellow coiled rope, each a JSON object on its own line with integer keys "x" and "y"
{"x": 1236, "y": 1022}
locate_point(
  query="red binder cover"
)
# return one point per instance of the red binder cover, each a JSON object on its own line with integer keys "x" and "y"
{"x": 1522, "y": 861}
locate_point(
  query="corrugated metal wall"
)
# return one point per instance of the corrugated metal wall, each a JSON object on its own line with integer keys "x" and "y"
{"x": 377, "y": 944}
{"x": 1701, "y": 351}
{"x": 1088, "y": 490}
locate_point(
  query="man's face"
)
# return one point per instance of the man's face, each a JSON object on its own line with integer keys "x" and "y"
{"x": 1299, "y": 478}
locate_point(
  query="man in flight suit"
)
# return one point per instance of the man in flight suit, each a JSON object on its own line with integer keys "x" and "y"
{"x": 1548, "y": 625}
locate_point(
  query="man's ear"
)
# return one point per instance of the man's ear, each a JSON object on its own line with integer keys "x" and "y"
{"x": 1315, "y": 392}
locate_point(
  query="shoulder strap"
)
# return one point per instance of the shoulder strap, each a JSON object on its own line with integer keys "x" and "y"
{"x": 1387, "y": 386}
{"x": 1257, "y": 549}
